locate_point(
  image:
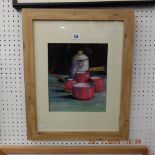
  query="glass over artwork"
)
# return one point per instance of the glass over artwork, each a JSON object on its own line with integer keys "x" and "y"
{"x": 77, "y": 77}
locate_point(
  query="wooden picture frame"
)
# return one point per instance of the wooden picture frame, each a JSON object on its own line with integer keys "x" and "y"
{"x": 38, "y": 32}
{"x": 4, "y": 150}
{"x": 92, "y": 3}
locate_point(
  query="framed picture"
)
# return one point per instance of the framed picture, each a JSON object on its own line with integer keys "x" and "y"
{"x": 78, "y": 3}
{"x": 142, "y": 150}
{"x": 78, "y": 72}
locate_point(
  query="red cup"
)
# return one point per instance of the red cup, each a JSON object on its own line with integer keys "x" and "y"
{"x": 82, "y": 77}
{"x": 83, "y": 91}
{"x": 98, "y": 83}
{"x": 68, "y": 85}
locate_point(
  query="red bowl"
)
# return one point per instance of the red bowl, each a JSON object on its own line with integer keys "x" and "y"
{"x": 83, "y": 91}
{"x": 98, "y": 83}
{"x": 82, "y": 76}
{"x": 68, "y": 85}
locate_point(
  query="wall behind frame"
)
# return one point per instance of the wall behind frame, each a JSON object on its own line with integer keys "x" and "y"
{"x": 12, "y": 99}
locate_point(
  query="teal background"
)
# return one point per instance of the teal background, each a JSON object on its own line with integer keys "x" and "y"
{"x": 59, "y": 100}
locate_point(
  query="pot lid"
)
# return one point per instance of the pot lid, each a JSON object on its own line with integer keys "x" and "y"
{"x": 80, "y": 56}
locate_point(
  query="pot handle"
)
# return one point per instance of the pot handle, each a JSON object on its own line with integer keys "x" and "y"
{"x": 59, "y": 77}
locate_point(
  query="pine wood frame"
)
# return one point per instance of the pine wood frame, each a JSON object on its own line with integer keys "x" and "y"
{"x": 82, "y": 4}
{"x": 4, "y": 150}
{"x": 127, "y": 16}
